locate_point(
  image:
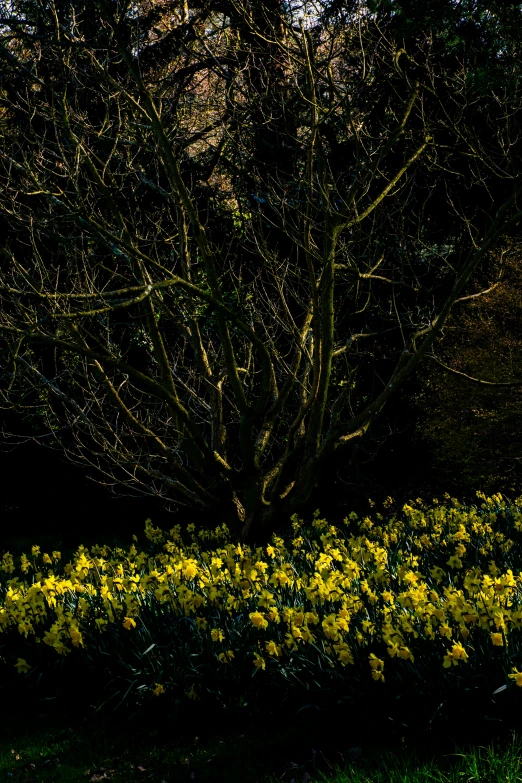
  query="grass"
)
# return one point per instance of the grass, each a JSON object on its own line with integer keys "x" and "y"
{"x": 491, "y": 764}
{"x": 42, "y": 750}
{"x": 94, "y": 751}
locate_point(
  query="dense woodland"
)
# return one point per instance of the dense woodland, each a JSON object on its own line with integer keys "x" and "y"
{"x": 257, "y": 257}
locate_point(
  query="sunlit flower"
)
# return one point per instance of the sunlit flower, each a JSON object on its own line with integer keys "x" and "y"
{"x": 259, "y": 661}
{"x": 456, "y": 654}
{"x": 258, "y": 620}
{"x": 273, "y": 649}
{"x": 517, "y": 676}
{"x": 377, "y": 667}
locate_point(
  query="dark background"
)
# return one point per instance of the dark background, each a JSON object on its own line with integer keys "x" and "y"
{"x": 45, "y": 497}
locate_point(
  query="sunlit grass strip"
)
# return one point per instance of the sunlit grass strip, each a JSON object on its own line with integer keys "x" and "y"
{"x": 435, "y": 583}
{"x": 494, "y": 764}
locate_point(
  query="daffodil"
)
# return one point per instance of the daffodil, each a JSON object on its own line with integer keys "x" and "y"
{"x": 517, "y": 676}
{"x": 259, "y": 661}
{"x": 454, "y": 562}
{"x": 226, "y": 657}
{"x": 273, "y": 649}
{"x": 377, "y": 666}
{"x": 456, "y": 654}
{"x": 258, "y": 620}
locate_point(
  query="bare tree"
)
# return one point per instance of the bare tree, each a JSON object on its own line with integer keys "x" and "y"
{"x": 233, "y": 230}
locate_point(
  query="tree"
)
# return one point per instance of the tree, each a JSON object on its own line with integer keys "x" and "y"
{"x": 235, "y": 230}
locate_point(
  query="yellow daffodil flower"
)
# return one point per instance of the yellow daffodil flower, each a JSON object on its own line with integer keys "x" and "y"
{"x": 22, "y": 666}
{"x": 517, "y": 676}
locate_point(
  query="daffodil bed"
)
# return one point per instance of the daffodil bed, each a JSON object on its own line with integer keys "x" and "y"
{"x": 418, "y": 601}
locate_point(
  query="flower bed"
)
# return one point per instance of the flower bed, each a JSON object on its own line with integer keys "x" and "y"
{"x": 418, "y": 602}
